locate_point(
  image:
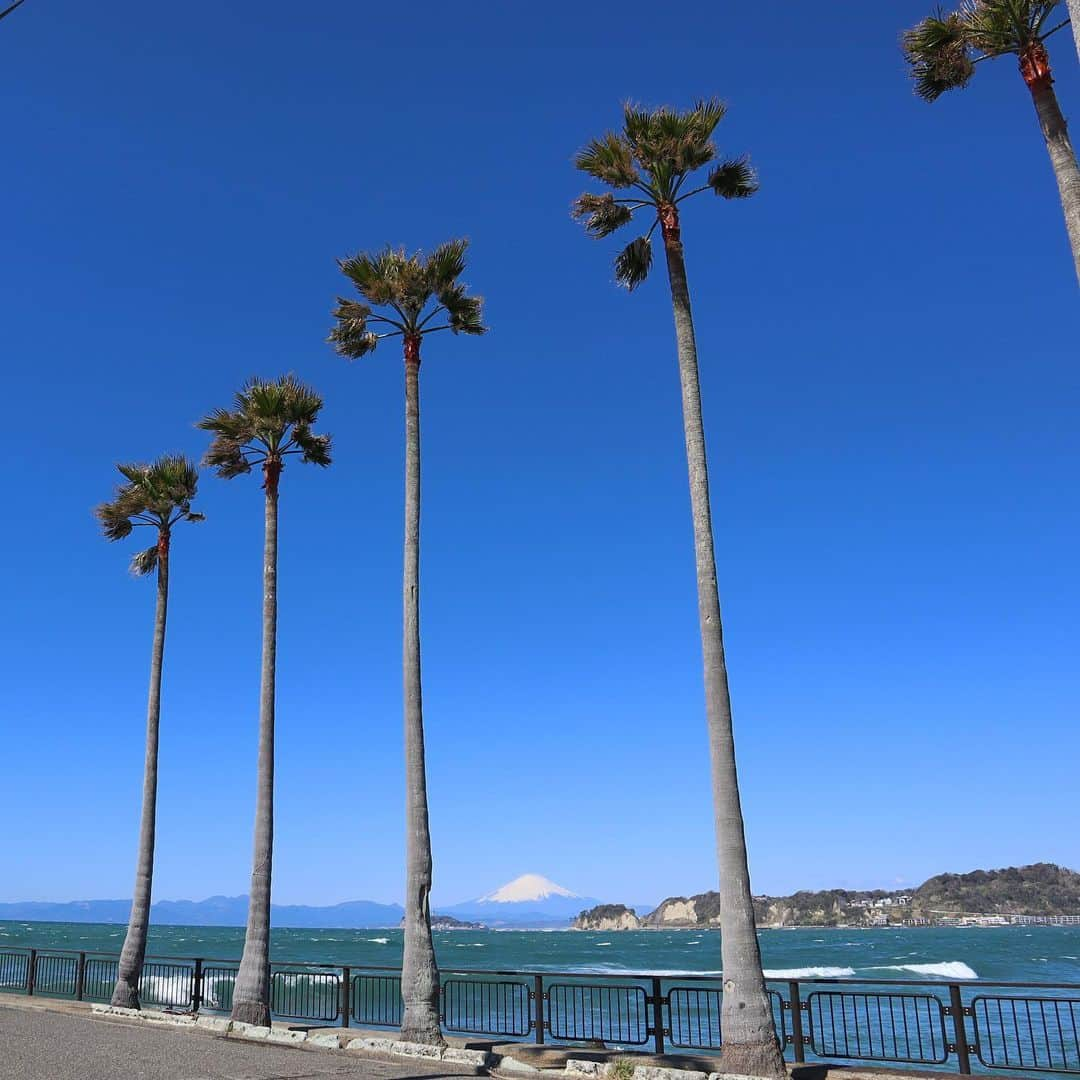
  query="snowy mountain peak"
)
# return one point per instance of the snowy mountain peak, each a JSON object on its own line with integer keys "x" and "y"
{"x": 527, "y": 888}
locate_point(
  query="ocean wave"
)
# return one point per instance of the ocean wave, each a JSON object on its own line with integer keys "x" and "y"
{"x": 809, "y": 973}
{"x": 378, "y": 940}
{"x": 947, "y": 969}
{"x": 600, "y": 944}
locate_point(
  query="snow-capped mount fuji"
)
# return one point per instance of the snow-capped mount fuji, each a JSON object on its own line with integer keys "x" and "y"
{"x": 529, "y": 900}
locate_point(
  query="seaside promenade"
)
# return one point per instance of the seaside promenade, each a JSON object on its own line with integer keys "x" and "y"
{"x": 63, "y": 1041}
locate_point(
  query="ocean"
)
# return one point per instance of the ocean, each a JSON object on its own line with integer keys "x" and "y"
{"x": 1010, "y": 953}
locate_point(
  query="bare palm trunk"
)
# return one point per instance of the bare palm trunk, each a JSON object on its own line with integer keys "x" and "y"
{"x": 1035, "y": 69}
{"x": 419, "y": 971}
{"x": 251, "y": 994}
{"x": 1074, "y": 17}
{"x": 126, "y": 992}
{"x": 748, "y": 1032}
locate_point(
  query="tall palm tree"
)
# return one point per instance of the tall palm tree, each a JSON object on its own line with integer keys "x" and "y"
{"x": 156, "y": 496}
{"x": 419, "y": 295}
{"x": 944, "y": 50}
{"x": 650, "y": 162}
{"x": 269, "y": 422}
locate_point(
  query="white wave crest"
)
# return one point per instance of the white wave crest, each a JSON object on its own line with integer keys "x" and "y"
{"x": 948, "y": 969}
{"x": 378, "y": 940}
{"x": 809, "y": 973}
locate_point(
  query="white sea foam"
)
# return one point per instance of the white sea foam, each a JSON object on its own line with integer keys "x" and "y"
{"x": 601, "y": 944}
{"x": 809, "y": 973}
{"x": 948, "y": 969}
{"x": 379, "y": 940}
{"x": 163, "y": 990}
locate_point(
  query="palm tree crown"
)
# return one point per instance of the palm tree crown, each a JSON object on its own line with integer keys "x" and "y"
{"x": 269, "y": 421}
{"x": 944, "y": 49}
{"x": 157, "y": 495}
{"x": 651, "y": 160}
{"x": 414, "y": 289}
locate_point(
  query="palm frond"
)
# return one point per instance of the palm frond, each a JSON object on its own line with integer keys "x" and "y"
{"x": 939, "y": 52}
{"x": 464, "y": 311}
{"x": 145, "y": 562}
{"x": 315, "y": 448}
{"x": 633, "y": 262}
{"x": 601, "y": 213}
{"x": 609, "y": 159}
{"x": 152, "y": 493}
{"x": 266, "y": 413}
{"x": 734, "y": 179}
{"x": 446, "y": 264}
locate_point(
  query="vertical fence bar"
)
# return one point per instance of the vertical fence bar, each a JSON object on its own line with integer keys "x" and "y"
{"x": 80, "y": 977}
{"x": 31, "y": 973}
{"x": 956, "y": 1003}
{"x": 795, "y": 1000}
{"x": 538, "y": 1007}
{"x": 346, "y": 995}
{"x": 658, "y": 1015}
{"x": 197, "y": 987}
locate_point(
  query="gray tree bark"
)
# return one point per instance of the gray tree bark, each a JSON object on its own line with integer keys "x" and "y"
{"x": 1062, "y": 158}
{"x": 129, "y": 971}
{"x": 251, "y": 994}
{"x": 419, "y": 971}
{"x": 748, "y": 1033}
{"x": 1074, "y": 16}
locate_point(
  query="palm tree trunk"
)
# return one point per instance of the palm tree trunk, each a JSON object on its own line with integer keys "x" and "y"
{"x": 1035, "y": 69}
{"x": 749, "y": 1035}
{"x": 419, "y": 971}
{"x": 1074, "y": 17}
{"x": 251, "y": 994}
{"x": 126, "y": 992}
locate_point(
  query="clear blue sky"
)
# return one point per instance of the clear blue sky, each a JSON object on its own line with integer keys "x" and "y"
{"x": 888, "y": 337}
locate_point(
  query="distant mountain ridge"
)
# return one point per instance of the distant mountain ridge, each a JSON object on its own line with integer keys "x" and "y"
{"x": 213, "y": 911}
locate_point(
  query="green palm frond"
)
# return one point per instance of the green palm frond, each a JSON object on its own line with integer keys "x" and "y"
{"x": 144, "y": 562}
{"x": 601, "y": 213}
{"x": 315, "y": 449}
{"x": 999, "y": 27}
{"x": 668, "y": 144}
{"x": 269, "y": 418}
{"x": 463, "y": 311}
{"x": 158, "y": 495}
{"x": 609, "y": 159}
{"x": 734, "y": 179}
{"x": 633, "y": 262}
{"x": 445, "y": 265}
{"x": 413, "y": 289}
{"x": 939, "y": 52}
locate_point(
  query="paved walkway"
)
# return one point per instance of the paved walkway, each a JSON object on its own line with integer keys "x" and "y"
{"x": 49, "y": 1044}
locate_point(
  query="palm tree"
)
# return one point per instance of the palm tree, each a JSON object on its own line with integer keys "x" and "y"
{"x": 419, "y": 296}
{"x": 944, "y": 49}
{"x": 650, "y": 162}
{"x": 9, "y": 10}
{"x": 156, "y": 496}
{"x": 269, "y": 422}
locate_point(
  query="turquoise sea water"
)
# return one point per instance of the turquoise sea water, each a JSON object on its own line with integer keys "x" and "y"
{"x": 1014, "y": 953}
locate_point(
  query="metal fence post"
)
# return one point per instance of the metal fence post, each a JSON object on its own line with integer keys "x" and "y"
{"x": 197, "y": 987}
{"x": 795, "y": 1002}
{"x": 538, "y": 1007}
{"x": 346, "y": 995}
{"x": 956, "y": 1003}
{"x": 80, "y": 977}
{"x": 31, "y": 973}
{"x": 658, "y": 1015}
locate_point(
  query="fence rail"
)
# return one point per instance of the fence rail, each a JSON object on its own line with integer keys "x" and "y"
{"x": 963, "y": 1026}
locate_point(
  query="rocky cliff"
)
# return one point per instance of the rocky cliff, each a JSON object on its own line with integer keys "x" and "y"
{"x": 606, "y": 917}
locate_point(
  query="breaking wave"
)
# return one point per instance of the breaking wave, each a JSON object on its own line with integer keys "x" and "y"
{"x": 809, "y": 973}
{"x": 948, "y": 969}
